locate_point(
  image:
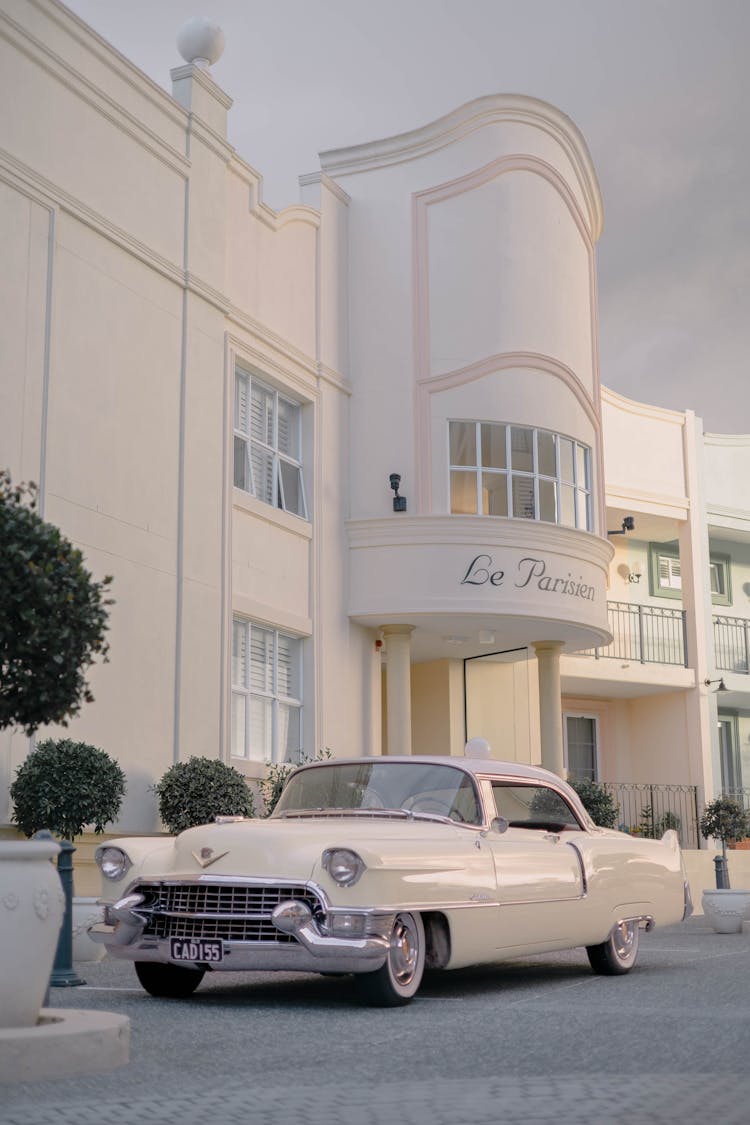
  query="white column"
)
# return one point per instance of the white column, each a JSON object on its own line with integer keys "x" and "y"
{"x": 398, "y": 687}
{"x": 550, "y": 705}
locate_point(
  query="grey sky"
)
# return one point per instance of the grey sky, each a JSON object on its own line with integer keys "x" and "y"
{"x": 659, "y": 89}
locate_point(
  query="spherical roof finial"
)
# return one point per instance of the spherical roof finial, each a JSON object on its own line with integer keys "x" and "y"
{"x": 200, "y": 41}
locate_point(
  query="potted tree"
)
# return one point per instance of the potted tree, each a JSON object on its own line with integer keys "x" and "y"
{"x": 53, "y": 621}
{"x": 725, "y": 820}
{"x": 64, "y": 786}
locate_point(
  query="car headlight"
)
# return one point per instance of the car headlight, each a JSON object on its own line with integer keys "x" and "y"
{"x": 113, "y": 863}
{"x": 344, "y": 866}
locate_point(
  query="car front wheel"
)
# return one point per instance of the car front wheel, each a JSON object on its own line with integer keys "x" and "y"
{"x": 172, "y": 982}
{"x": 398, "y": 979}
{"x": 618, "y": 953}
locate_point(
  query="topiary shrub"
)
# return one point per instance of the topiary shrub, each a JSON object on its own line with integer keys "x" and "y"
{"x": 724, "y": 819}
{"x": 53, "y": 616}
{"x": 199, "y": 790}
{"x": 65, "y": 785}
{"x": 597, "y": 801}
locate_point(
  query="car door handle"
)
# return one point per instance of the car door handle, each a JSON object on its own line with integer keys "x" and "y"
{"x": 552, "y": 837}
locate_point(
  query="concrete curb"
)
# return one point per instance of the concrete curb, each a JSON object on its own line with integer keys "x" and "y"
{"x": 65, "y": 1042}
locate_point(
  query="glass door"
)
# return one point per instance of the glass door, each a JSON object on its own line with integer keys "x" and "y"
{"x": 581, "y": 747}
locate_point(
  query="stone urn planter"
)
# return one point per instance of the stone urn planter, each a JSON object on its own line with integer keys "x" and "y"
{"x": 726, "y": 910}
{"x": 32, "y": 905}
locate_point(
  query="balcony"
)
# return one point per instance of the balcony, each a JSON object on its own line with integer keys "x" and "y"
{"x": 645, "y": 634}
{"x": 732, "y": 644}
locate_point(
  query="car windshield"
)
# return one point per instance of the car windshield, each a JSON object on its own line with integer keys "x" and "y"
{"x": 402, "y": 788}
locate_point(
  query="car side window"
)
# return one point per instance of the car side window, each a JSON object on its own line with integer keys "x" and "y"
{"x": 533, "y": 806}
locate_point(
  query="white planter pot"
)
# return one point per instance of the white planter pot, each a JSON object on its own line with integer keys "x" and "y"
{"x": 85, "y": 914}
{"x": 32, "y": 905}
{"x": 726, "y": 910}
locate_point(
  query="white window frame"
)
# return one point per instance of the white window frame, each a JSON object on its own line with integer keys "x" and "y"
{"x": 244, "y": 439}
{"x": 243, "y": 694}
{"x": 581, "y": 489}
{"x": 595, "y": 720}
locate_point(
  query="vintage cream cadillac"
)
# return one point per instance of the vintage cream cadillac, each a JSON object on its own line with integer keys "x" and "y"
{"x": 383, "y": 867}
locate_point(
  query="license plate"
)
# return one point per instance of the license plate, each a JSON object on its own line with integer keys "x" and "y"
{"x": 209, "y": 950}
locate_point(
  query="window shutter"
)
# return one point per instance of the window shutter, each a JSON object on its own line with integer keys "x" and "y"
{"x": 288, "y": 667}
{"x": 261, "y": 419}
{"x": 523, "y": 497}
{"x": 669, "y": 573}
{"x": 240, "y": 403}
{"x": 261, "y": 660}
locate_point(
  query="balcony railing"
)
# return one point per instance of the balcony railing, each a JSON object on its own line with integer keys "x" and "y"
{"x": 649, "y": 810}
{"x": 732, "y": 644}
{"x": 741, "y": 796}
{"x": 645, "y": 634}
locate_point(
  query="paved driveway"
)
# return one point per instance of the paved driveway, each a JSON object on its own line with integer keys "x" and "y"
{"x": 539, "y": 1040}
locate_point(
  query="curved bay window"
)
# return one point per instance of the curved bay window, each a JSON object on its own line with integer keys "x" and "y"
{"x": 503, "y": 470}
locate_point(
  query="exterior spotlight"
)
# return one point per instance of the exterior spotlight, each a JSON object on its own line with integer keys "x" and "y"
{"x": 628, "y": 524}
{"x": 399, "y": 502}
{"x": 722, "y": 686}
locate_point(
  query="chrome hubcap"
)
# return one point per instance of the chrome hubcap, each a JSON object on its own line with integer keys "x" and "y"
{"x": 403, "y": 951}
{"x": 624, "y": 938}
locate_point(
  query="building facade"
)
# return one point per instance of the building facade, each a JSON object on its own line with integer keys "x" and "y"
{"x": 350, "y": 464}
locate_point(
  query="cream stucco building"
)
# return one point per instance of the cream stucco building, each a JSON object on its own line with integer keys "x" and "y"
{"x": 350, "y": 464}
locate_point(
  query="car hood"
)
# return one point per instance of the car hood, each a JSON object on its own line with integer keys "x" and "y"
{"x": 292, "y": 848}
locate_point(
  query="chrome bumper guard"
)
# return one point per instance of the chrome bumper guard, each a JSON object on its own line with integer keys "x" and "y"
{"x": 316, "y": 949}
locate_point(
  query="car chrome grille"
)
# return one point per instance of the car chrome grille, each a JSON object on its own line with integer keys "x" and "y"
{"x": 232, "y": 912}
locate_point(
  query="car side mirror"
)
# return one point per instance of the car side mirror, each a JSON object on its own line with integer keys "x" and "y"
{"x": 499, "y": 824}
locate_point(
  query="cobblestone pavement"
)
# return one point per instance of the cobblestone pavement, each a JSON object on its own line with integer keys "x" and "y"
{"x": 590, "y": 1100}
{"x": 541, "y": 1040}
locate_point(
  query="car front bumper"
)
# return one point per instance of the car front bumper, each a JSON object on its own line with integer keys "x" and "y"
{"x": 311, "y": 945}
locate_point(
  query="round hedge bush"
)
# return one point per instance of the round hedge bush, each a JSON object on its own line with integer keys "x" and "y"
{"x": 597, "y": 801}
{"x": 197, "y": 791}
{"x": 63, "y": 786}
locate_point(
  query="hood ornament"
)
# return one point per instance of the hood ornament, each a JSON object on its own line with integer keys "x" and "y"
{"x": 207, "y": 856}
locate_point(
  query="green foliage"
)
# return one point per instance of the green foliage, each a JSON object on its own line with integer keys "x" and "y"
{"x": 668, "y": 820}
{"x": 724, "y": 819}
{"x": 652, "y": 827}
{"x": 64, "y": 785}
{"x": 197, "y": 791}
{"x": 53, "y": 616}
{"x": 597, "y": 801}
{"x": 272, "y": 785}
{"x": 277, "y": 774}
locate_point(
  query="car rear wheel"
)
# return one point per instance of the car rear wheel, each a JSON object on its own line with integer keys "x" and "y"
{"x": 401, "y": 975}
{"x": 618, "y": 953}
{"x": 173, "y": 982}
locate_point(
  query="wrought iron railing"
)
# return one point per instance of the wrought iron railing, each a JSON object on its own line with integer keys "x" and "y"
{"x": 645, "y": 634}
{"x": 741, "y": 796}
{"x": 732, "y": 644}
{"x": 649, "y": 810}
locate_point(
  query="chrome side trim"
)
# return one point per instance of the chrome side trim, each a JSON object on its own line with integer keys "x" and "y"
{"x": 582, "y": 865}
{"x": 542, "y": 901}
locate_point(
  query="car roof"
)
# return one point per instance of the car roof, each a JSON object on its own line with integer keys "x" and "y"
{"x": 477, "y": 767}
{"x": 485, "y": 767}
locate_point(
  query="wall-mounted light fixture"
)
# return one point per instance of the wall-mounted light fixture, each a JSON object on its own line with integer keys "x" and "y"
{"x": 628, "y": 524}
{"x": 399, "y": 502}
{"x": 634, "y": 572}
{"x": 722, "y": 686}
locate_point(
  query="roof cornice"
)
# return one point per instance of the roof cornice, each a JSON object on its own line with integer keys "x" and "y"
{"x": 467, "y": 119}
